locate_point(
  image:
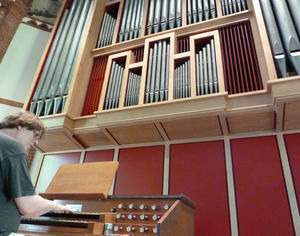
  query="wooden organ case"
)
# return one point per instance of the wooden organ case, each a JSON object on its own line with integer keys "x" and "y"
{"x": 96, "y": 213}
{"x": 118, "y": 86}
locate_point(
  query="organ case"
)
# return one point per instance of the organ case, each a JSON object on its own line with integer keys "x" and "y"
{"x": 239, "y": 86}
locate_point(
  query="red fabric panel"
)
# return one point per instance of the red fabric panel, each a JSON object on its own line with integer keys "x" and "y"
{"x": 262, "y": 203}
{"x": 197, "y": 170}
{"x": 100, "y": 155}
{"x": 140, "y": 171}
{"x": 292, "y": 142}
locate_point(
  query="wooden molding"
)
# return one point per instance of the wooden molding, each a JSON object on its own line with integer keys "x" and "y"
{"x": 11, "y": 103}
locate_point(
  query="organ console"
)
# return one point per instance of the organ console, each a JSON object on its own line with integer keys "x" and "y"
{"x": 97, "y": 213}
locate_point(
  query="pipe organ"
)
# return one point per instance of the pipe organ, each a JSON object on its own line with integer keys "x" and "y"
{"x": 163, "y": 71}
{"x": 283, "y": 26}
{"x": 206, "y": 71}
{"x": 241, "y": 69}
{"x": 163, "y": 59}
{"x": 52, "y": 89}
{"x": 189, "y": 71}
{"x": 131, "y": 20}
{"x": 95, "y": 85}
{"x": 200, "y": 10}
{"x": 132, "y": 94}
{"x": 84, "y": 188}
{"x": 163, "y": 15}
{"x": 158, "y": 73}
{"x": 118, "y": 215}
{"x": 114, "y": 87}
{"x": 233, "y": 6}
{"x": 106, "y": 33}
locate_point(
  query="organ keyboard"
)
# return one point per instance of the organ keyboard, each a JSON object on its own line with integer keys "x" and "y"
{"x": 117, "y": 215}
{"x": 84, "y": 188}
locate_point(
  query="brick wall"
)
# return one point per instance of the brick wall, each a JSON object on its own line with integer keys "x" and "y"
{"x": 11, "y": 14}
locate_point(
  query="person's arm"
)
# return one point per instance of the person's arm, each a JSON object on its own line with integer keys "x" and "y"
{"x": 36, "y": 205}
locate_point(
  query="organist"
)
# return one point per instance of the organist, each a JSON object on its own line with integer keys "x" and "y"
{"x": 19, "y": 133}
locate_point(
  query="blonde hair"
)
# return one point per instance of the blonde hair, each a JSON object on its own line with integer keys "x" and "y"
{"x": 25, "y": 119}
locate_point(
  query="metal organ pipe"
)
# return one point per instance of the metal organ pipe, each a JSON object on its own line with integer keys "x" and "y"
{"x": 163, "y": 15}
{"x": 112, "y": 99}
{"x": 56, "y": 80}
{"x": 132, "y": 20}
{"x": 274, "y": 36}
{"x": 48, "y": 64}
{"x": 157, "y": 74}
{"x": 283, "y": 27}
{"x": 52, "y": 89}
{"x": 198, "y": 10}
{"x": 107, "y": 30}
{"x": 233, "y": 6}
{"x": 63, "y": 88}
{"x": 206, "y": 70}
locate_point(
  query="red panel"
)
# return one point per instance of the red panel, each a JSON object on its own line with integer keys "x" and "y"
{"x": 197, "y": 170}
{"x": 100, "y": 155}
{"x": 262, "y": 203}
{"x": 140, "y": 171}
{"x": 292, "y": 142}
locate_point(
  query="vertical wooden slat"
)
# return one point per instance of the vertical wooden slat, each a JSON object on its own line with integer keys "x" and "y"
{"x": 95, "y": 86}
{"x": 242, "y": 56}
{"x": 125, "y": 80}
{"x": 225, "y": 61}
{"x": 98, "y": 85}
{"x": 249, "y": 53}
{"x": 254, "y": 57}
{"x": 91, "y": 104}
{"x": 236, "y": 78}
{"x": 219, "y": 62}
{"x": 85, "y": 110}
{"x": 239, "y": 60}
{"x": 229, "y": 52}
{"x": 118, "y": 21}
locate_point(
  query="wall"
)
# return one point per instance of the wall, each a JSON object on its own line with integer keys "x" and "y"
{"x": 11, "y": 14}
{"x": 20, "y": 62}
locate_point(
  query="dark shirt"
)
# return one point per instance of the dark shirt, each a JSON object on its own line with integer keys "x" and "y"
{"x": 15, "y": 182}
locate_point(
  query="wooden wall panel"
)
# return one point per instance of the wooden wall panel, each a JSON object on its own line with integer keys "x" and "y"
{"x": 241, "y": 68}
{"x": 197, "y": 170}
{"x": 51, "y": 164}
{"x": 140, "y": 171}
{"x": 99, "y": 155}
{"x": 292, "y": 142}
{"x": 93, "y": 93}
{"x": 262, "y": 203}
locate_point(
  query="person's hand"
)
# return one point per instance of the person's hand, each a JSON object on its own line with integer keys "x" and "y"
{"x": 58, "y": 208}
